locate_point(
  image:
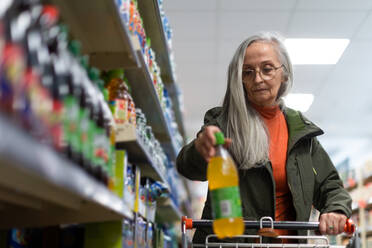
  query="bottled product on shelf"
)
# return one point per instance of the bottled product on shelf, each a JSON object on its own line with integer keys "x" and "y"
{"x": 223, "y": 182}
{"x": 169, "y": 115}
{"x": 46, "y": 90}
{"x": 150, "y": 143}
{"x": 128, "y": 234}
{"x": 120, "y": 101}
{"x": 129, "y": 10}
{"x": 168, "y": 35}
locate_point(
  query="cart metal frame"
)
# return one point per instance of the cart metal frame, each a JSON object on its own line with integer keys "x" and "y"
{"x": 267, "y": 222}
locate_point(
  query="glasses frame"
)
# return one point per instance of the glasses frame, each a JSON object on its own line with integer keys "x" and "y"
{"x": 260, "y": 73}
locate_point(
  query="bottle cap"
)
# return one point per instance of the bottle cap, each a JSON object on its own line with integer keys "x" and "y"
{"x": 75, "y": 47}
{"x": 220, "y": 139}
{"x": 84, "y": 61}
{"x": 118, "y": 73}
{"x": 94, "y": 73}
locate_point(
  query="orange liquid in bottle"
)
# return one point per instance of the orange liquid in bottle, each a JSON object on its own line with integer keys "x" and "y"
{"x": 223, "y": 182}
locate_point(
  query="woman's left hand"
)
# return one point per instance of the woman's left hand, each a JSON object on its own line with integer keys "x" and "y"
{"x": 332, "y": 223}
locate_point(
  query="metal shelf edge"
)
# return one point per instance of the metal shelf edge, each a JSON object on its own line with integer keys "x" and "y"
{"x": 42, "y": 163}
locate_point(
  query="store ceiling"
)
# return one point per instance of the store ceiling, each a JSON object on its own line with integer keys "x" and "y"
{"x": 206, "y": 34}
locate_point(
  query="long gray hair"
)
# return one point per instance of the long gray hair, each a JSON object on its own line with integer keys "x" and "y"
{"x": 250, "y": 144}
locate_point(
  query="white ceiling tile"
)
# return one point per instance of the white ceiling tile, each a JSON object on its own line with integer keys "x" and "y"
{"x": 240, "y": 25}
{"x": 256, "y": 5}
{"x": 226, "y": 50}
{"x": 189, "y": 5}
{"x": 195, "y": 52}
{"x": 365, "y": 30}
{"x": 354, "y": 66}
{"x": 334, "y": 5}
{"x": 193, "y": 26}
{"x": 324, "y": 24}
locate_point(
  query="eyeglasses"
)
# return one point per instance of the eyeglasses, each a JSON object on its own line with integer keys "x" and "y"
{"x": 267, "y": 72}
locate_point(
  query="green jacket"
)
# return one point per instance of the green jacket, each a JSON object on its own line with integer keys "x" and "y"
{"x": 312, "y": 178}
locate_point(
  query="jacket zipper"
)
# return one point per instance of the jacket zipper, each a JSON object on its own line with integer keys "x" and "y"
{"x": 273, "y": 188}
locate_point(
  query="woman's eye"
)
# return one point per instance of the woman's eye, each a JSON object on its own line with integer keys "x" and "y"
{"x": 267, "y": 69}
{"x": 248, "y": 73}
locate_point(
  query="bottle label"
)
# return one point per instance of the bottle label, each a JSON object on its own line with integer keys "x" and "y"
{"x": 226, "y": 203}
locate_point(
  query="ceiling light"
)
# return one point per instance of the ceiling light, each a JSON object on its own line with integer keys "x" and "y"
{"x": 301, "y": 102}
{"x": 316, "y": 51}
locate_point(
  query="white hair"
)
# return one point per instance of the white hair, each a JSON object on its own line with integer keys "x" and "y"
{"x": 250, "y": 144}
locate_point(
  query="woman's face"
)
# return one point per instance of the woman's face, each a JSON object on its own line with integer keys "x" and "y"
{"x": 263, "y": 57}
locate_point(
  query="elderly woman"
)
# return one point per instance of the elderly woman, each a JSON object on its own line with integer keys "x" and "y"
{"x": 283, "y": 169}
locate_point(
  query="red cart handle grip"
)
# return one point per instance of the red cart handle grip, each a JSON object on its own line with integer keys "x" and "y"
{"x": 188, "y": 222}
{"x": 349, "y": 226}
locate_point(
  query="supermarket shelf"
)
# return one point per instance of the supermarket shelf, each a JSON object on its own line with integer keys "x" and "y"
{"x": 351, "y": 188}
{"x": 145, "y": 97}
{"x": 150, "y": 13}
{"x": 128, "y": 139}
{"x": 98, "y": 25}
{"x": 355, "y": 207}
{"x": 38, "y": 187}
{"x": 167, "y": 211}
{"x": 367, "y": 179}
{"x": 369, "y": 231}
{"x": 173, "y": 91}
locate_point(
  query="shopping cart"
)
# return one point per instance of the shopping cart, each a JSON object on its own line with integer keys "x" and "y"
{"x": 266, "y": 227}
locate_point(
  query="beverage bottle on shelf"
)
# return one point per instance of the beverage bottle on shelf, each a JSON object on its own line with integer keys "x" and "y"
{"x": 223, "y": 183}
{"x": 94, "y": 131}
{"x": 118, "y": 96}
{"x": 13, "y": 58}
{"x": 69, "y": 94}
{"x": 131, "y": 110}
{"x": 100, "y": 143}
{"x": 110, "y": 134}
{"x": 94, "y": 75}
{"x": 81, "y": 94}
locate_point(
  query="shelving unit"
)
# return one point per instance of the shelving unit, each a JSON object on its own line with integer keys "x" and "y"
{"x": 145, "y": 97}
{"x": 38, "y": 187}
{"x": 167, "y": 211}
{"x": 130, "y": 141}
{"x": 107, "y": 41}
{"x": 98, "y": 25}
{"x": 367, "y": 179}
{"x": 150, "y": 14}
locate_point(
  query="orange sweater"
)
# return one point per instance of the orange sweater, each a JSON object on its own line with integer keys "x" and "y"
{"x": 278, "y": 137}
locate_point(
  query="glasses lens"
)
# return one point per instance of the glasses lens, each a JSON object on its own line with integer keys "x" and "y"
{"x": 267, "y": 72}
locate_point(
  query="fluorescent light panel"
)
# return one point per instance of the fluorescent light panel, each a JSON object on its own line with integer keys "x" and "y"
{"x": 316, "y": 51}
{"x": 301, "y": 102}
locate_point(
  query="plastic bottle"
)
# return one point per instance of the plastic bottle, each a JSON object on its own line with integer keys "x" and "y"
{"x": 118, "y": 96}
{"x": 223, "y": 183}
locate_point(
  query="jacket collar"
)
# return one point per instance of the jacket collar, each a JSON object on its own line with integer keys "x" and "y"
{"x": 299, "y": 127}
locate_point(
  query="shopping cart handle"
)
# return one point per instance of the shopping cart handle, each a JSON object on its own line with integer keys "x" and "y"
{"x": 288, "y": 225}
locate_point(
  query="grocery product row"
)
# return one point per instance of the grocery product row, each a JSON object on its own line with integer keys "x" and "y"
{"x": 43, "y": 188}
{"x": 127, "y": 47}
{"x": 357, "y": 180}
{"x": 124, "y": 234}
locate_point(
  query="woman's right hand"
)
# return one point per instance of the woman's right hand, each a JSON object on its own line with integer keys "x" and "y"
{"x": 206, "y": 141}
